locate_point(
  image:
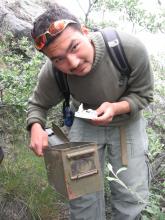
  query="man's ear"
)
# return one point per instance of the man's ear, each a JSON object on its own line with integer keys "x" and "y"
{"x": 85, "y": 30}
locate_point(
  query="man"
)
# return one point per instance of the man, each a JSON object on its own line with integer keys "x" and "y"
{"x": 94, "y": 81}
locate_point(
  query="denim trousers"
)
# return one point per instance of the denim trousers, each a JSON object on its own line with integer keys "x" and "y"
{"x": 126, "y": 204}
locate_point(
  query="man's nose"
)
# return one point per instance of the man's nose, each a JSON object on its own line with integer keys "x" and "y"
{"x": 73, "y": 61}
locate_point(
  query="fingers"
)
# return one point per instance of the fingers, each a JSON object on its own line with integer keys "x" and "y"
{"x": 102, "y": 121}
{"x": 37, "y": 148}
{"x": 39, "y": 140}
{"x": 105, "y": 114}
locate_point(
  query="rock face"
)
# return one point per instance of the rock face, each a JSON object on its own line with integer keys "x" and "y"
{"x": 17, "y": 16}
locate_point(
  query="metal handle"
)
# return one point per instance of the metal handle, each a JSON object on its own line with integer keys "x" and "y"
{"x": 85, "y": 174}
{"x": 80, "y": 153}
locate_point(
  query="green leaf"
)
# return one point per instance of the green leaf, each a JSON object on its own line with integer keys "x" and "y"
{"x": 110, "y": 167}
{"x": 121, "y": 169}
{"x": 117, "y": 180}
{"x": 111, "y": 178}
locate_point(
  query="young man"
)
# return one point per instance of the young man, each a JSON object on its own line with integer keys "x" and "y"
{"x": 94, "y": 81}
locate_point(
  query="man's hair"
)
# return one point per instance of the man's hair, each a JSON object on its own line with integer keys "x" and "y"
{"x": 57, "y": 12}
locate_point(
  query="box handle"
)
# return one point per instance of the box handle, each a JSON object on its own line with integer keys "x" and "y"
{"x": 80, "y": 153}
{"x": 89, "y": 173}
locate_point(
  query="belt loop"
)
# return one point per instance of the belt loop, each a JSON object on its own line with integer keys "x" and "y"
{"x": 123, "y": 145}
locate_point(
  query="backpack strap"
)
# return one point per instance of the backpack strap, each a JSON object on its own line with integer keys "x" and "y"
{"x": 116, "y": 53}
{"x": 61, "y": 79}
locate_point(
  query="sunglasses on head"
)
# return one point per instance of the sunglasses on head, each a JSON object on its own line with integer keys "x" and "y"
{"x": 54, "y": 29}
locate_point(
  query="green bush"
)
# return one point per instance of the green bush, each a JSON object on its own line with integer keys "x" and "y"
{"x": 18, "y": 76}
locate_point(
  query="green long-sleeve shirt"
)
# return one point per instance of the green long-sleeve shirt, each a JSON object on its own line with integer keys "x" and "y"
{"x": 100, "y": 85}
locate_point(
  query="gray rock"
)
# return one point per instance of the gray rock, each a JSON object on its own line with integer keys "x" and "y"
{"x": 17, "y": 16}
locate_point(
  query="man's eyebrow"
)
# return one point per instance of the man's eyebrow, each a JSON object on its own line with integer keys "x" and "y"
{"x": 67, "y": 49}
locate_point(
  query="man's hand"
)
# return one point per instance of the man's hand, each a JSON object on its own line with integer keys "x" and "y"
{"x": 105, "y": 114}
{"x": 108, "y": 110}
{"x": 39, "y": 139}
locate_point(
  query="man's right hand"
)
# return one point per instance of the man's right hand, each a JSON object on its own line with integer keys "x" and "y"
{"x": 39, "y": 139}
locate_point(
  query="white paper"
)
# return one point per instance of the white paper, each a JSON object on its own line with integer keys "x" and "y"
{"x": 86, "y": 114}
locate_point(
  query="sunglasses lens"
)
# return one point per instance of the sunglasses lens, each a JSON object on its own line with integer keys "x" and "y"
{"x": 56, "y": 27}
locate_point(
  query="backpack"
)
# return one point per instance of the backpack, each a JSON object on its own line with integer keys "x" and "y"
{"x": 118, "y": 57}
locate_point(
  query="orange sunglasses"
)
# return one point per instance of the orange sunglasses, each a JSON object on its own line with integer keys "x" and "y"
{"x": 54, "y": 29}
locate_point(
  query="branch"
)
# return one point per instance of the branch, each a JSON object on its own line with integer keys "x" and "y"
{"x": 81, "y": 7}
{"x": 90, "y": 6}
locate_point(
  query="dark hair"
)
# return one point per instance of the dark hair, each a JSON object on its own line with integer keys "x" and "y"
{"x": 57, "y": 12}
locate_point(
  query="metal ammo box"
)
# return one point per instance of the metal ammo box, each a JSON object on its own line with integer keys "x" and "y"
{"x": 73, "y": 168}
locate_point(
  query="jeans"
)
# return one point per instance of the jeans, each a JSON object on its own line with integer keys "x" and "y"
{"x": 127, "y": 204}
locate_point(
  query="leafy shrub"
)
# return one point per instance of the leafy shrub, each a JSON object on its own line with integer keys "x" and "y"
{"x": 19, "y": 75}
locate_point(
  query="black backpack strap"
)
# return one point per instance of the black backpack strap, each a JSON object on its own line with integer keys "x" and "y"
{"x": 61, "y": 79}
{"x": 116, "y": 52}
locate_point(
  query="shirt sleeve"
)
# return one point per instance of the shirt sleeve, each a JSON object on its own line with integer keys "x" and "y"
{"x": 139, "y": 92}
{"x": 45, "y": 95}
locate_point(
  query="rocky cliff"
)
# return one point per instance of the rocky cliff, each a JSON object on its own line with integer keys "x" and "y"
{"x": 18, "y": 16}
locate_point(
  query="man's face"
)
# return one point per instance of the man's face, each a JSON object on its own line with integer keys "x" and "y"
{"x": 72, "y": 52}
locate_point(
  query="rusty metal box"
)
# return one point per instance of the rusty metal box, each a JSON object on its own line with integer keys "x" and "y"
{"x": 73, "y": 168}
